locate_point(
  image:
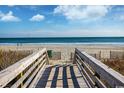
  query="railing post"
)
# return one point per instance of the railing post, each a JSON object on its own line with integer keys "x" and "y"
{"x": 47, "y": 58}
{"x": 21, "y": 77}
{"x": 74, "y": 60}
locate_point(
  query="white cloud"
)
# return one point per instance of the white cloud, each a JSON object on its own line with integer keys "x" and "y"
{"x": 82, "y": 12}
{"x": 119, "y": 17}
{"x": 1, "y": 14}
{"x": 37, "y": 17}
{"x": 11, "y": 5}
{"x": 9, "y": 17}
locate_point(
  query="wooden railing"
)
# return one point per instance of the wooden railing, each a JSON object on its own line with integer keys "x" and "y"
{"x": 24, "y": 73}
{"x": 95, "y": 73}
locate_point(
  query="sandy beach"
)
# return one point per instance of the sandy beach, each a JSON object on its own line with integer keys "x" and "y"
{"x": 66, "y": 49}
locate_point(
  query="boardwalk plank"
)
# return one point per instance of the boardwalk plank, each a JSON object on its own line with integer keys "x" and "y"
{"x": 80, "y": 80}
{"x": 62, "y": 76}
{"x": 70, "y": 82}
{"x": 44, "y": 78}
{"x": 50, "y": 77}
{"x": 59, "y": 81}
{"x": 65, "y": 81}
{"x": 54, "y": 80}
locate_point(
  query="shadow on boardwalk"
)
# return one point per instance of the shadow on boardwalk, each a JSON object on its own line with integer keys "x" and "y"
{"x": 65, "y": 84}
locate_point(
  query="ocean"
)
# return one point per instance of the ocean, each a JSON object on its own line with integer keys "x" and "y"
{"x": 63, "y": 40}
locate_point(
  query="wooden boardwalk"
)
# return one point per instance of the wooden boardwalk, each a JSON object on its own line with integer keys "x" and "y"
{"x": 85, "y": 71}
{"x": 63, "y": 76}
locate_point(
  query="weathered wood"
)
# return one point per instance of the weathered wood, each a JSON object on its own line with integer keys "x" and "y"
{"x": 99, "y": 82}
{"x": 91, "y": 73}
{"x": 47, "y": 61}
{"x": 33, "y": 75}
{"x": 80, "y": 78}
{"x": 113, "y": 78}
{"x": 16, "y": 84}
{"x": 85, "y": 65}
{"x": 86, "y": 75}
{"x": 72, "y": 77}
{"x": 8, "y": 74}
{"x": 36, "y": 79}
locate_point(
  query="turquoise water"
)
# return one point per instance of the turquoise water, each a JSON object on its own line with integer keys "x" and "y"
{"x": 62, "y": 40}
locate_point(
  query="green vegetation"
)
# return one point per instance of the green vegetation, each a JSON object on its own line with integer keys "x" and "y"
{"x": 8, "y": 58}
{"x": 49, "y": 53}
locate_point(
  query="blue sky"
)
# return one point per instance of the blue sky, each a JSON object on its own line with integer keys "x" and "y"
{"x": 61, "y": 21}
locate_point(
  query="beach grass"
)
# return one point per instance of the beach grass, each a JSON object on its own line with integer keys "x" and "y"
{"x": 10, "y": 57}
{"x": 116, "y": 64}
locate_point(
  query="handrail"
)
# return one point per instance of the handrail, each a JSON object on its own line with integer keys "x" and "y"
{"x": 97, "y": 73}
{"x": 19, "y": 73}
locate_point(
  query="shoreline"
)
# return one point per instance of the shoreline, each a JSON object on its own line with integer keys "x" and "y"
{"x": 78, "y": 43}
{"x": 74, "y": 45}
{"x": 64, "y": 45}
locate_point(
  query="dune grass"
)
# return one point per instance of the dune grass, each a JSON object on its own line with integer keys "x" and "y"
{"x": 9, "y": 57}
{"x": 116, "y": 64}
